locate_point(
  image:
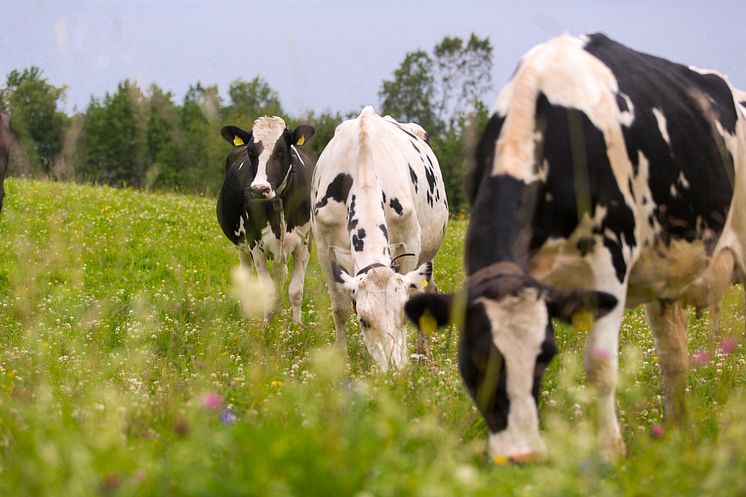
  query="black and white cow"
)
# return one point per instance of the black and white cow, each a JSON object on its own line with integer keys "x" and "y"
{"x": 605, "y": 178}
{"x": 4, "y": 151}
{"x": 264, "y": 206}
{"x": 379, "y": 217}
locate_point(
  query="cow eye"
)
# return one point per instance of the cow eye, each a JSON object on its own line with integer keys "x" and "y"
{"x": 364, "y": 323}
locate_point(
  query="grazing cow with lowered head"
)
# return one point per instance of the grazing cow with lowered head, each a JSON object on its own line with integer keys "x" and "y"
{"x": 264, "y": 204}
{"x": 4, "y": 151}
{"x": 379, "y": 218}
{"x": 605, "y": 178}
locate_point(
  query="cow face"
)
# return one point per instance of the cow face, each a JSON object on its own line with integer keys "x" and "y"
{"x": 378, "y": 294}
{"x": 507, "y": 341}
{"x": 269, "y": 147}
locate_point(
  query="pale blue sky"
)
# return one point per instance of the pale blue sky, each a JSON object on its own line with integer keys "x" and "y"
{"x": 332, "y": 54}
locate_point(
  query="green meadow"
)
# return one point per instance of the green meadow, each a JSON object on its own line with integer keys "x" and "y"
{"x": 127, "y": 368}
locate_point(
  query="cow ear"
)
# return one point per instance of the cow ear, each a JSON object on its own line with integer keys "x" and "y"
{"x": 235, "y": 135}
{"x": 302, "y": 133}
{"x": 579, "y": 307}
{"x": 429, "y": 311}
{"x": 341, "y": 277}
{"x": 420, "y": 277}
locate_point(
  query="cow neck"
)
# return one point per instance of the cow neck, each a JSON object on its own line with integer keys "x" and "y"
{"x": 288, "y": 178}
{"x": 500, "y": 229}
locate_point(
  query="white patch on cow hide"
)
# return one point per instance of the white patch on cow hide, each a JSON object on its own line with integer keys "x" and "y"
{"x": 241, "y": 227}
{"x": 518, "y": 330}
{"x": 682, "y": 180}
{"x": 266, "y": 130}
{"x": 662, "y": 124}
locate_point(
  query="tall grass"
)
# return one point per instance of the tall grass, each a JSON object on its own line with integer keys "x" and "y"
{"x": 126, "y": 368}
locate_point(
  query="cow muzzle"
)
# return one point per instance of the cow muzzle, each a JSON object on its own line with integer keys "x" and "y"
{"x": 261, "y": 191}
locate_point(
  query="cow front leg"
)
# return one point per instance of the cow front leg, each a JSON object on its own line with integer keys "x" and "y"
{"x": 669, "y": 323}
{"x": 279, "y": 275}
{"x": 601, "y": 363}
{"x": 422, "y": 345}
{"x": 301, "y": 255}
{"x": 260, "y": 263}
{"x": 337, "y": 294}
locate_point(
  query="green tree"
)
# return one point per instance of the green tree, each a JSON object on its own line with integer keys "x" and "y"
{"x": 411, "y": 94}
{"x": 166, "y": 160}
{"x": 200, "y": 123}
{"x": 114, "y": 138}
{"x": 36, "y": 121}
{"x": 251, "y": 99}
{"x": 442, "y": 91}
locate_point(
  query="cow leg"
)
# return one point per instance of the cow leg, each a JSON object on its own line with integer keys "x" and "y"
{"x": 601, "y": 361}
{"x": 339, "y": 297}
{"x": 669, "y": 321}
{"x": 422, "y": 345}
{"x": 279, "y": 275}
{"x": 715, "y": 319}
{"x": 301, "y": 255}
{"x": 260, "y": 264}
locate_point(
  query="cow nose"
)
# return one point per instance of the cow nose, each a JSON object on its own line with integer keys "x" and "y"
{"x": 260, "y": 191}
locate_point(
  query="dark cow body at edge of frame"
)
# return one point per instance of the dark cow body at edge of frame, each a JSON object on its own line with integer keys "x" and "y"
{"x": 4, "y": 152}
{"x": 264, "y": 204}
{"x": 605, "y": 178}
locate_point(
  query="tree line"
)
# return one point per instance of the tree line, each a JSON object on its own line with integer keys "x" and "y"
{"x": 145, "y": 139}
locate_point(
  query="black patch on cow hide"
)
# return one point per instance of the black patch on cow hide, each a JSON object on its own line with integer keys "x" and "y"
{"x": 337, "y": 190}
{"x": 351, "y": 219}
{"x": 357, "y": 240}
{"x": 384, "y": 231}
{"x": 413, "y": 177}
{"x": 394, "y": 203}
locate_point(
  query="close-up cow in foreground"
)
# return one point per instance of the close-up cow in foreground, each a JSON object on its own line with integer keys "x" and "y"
{"x": 606, "y": 178}
{"x": 379, "y": 218}
{"x": 264, "y": 203}
{"x": 4, "y": 152}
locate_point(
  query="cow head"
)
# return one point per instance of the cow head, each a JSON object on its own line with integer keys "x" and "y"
{"x": 507, "y": 341}
{"x": 268, "y": 148}
{"x": 378, "y": 295}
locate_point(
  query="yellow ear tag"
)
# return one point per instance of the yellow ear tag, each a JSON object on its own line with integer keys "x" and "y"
{"x": 428, "y": 324}
{"x": 500, "y": 460}
{"x": 582, "y": 320}
{"x": 301, "y": 140}
{"x": 424, "y": 283}
{"x": 237, "y": 141}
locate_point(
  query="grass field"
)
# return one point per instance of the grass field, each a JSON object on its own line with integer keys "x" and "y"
{"x": 126, "y": 368}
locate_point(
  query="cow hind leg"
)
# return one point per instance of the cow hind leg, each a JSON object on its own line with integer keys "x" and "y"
{"x": 669, "y": 322}
{"x": 295, "y": 292}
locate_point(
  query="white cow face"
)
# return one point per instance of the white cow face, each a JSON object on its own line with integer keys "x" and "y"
{"x": 379, "y": 294}
{"x": 268, "y": 148}
{"x": 507, "y": 341}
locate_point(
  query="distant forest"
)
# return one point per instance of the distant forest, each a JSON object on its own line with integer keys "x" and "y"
{"x": 144, "y": 139}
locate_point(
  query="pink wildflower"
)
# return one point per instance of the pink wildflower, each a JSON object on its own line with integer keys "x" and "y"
{"x": 212, "y": 401}
{"x": 728, "y": 345}
{"x": 700, "y": 357}
{"x": 656, "y": 431}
